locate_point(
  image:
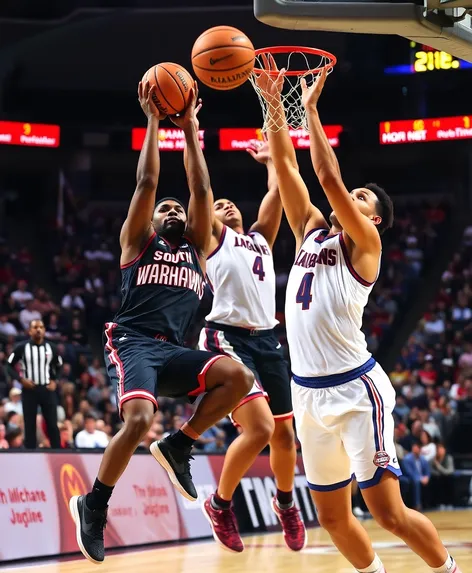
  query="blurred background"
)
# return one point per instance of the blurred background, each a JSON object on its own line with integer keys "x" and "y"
{"x": 68, "y": 107}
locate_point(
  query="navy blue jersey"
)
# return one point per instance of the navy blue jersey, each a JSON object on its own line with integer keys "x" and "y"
{"x": 161, "y": 290}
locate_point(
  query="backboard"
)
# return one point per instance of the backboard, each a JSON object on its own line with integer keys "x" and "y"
{"x": 447, "y": 28}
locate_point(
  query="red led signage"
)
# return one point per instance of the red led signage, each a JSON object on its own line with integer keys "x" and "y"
{"x": 239, "y": 138}
{"x": 29, "y": 134}
{"x": 170, "y": 139}
{"x": 420, "y": 130}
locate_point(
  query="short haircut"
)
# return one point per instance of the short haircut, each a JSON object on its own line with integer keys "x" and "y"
{"x": 384, "y": 206}
{"x": 164, "y": 199}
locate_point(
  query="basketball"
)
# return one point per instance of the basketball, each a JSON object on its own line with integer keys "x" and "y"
{"x": 223, "y": 58}
{"x": 173, "y": 84}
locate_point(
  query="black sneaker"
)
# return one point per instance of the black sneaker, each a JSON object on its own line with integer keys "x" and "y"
{"x": 177, "y": 465}
{"x": 89, "y": 526}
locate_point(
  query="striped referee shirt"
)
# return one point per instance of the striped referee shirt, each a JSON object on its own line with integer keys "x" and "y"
{"x": 38, "y": 362}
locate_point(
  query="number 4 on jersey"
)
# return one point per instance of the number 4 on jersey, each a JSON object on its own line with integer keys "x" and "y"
{"x": 258, "y": 268}
{"x": 304, "y": 296}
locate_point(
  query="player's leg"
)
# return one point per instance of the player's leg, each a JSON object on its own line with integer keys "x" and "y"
{"x": 273, "y": 371}
{"x": 385, "y": 503}
{"x": 368, "y": 438}
{"x": 256, "y": 422}
{"x": 193, "y": 372}
{"x": 328, "y": 471}
{"x": 131, "y": 364}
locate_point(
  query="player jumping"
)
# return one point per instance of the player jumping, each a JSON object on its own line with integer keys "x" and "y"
{"x": 240, "y": 270}
{"x": 343, "y": 400}
{"x": 163, "y": 270}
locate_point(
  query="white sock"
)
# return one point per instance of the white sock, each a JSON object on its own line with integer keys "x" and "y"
{"x": 375, "y": 567}
{"x": 448, "y": 567}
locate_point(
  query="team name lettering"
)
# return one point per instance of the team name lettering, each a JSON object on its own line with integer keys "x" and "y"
{"x": 162, "y": 274}
{"x": 309, "y": 260}
{"x": 179, "y": 257}
{"x": 261, "y": 249}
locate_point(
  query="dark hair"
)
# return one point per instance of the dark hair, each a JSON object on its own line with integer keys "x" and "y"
{"x": 384, "y": 206}
{"x": 90, "y": 416}
{"x": 169, "y": 198}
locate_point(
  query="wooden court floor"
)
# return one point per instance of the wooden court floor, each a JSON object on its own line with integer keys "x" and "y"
{"x": 267, "y": 553}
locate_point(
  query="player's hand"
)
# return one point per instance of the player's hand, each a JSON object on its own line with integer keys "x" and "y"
{"x": 311, "y": 95}
{"x": 145, "y": 92}
{"x": 259, "y": 150}
{"x": 188, "y": 117}
{"x": 270, "y": 85}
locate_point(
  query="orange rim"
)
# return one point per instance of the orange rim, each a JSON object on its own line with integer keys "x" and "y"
{"x": 300, "y": 49}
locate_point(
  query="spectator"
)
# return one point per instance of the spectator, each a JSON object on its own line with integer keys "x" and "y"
{"x": 14, "y": 438}
{"x": 399, "y": 375}
{"x": 14, "y": 404}
{"x": 72, "y": 300}
{"x": 7, "y": 328}
{"x": 28, "y": 314}
{"x": 442, "y": 478}
{"x": 3, "y": 442}
{"x": 418, "y": 471}
{"x": 428, "y": 447}
{"x": 22, "y": 295}
{"x": 90, "y": 437}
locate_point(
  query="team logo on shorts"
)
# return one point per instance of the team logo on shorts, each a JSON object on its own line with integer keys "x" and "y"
{"x": 381, "y": 459}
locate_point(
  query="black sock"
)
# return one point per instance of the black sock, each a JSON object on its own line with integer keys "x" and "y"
{"x": 284, "y": 499}
{"x": 218, "y": 502}
{"x": 99, "y": 496}
{"x": 180, "y": 441}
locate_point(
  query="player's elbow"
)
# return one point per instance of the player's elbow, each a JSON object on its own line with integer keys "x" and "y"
{"x": 146, "y": 182}
{"x": 328, "y": 178}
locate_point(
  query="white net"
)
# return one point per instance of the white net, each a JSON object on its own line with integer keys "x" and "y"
{"x": 307, "y": 65}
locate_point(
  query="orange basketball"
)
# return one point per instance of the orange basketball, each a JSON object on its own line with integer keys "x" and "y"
{"x": 223, "y": 58}
{"x": 173, "y": 84}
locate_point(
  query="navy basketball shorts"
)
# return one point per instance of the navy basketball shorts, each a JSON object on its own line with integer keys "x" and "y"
{"x": 143, "y": 367}
{"x": 262, "y": 353}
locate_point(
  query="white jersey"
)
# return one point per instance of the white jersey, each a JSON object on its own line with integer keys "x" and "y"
{"x": 325, "y": 301}
{"x": 241, "y": 274}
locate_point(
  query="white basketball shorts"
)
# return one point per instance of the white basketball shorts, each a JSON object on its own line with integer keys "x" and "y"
{"x": 346, "y": 429}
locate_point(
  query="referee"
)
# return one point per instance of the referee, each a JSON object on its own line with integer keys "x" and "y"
{"x": 39, "y": 365}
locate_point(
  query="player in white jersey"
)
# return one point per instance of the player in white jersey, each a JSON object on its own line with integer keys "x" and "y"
{"x": 342, "y": 398}
{"x": 240, "y": 270}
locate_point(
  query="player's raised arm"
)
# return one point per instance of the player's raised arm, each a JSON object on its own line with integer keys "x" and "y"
{"x": 302, "y": 215}
{"x": 217, "y": 225}
{"x": 359, "y": 228}
{"x": 270, "y": 211}
{"x": 200, "y": 207}
{"x": 137, "y": 227}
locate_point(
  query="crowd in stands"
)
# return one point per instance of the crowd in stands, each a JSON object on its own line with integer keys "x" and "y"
{"x": 433, "y": 381}
{"x": 433, "y": 377}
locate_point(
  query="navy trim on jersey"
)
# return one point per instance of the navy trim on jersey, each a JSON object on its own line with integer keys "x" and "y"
{"x": 220, "y": 243}
{"x": 334, "y": 379}
{"x": 322, "y": 238}
{"x": 352, "y": 270}
{"x": 378, "y": 476}
{"x": 331, "y": 487}
{"x": 312, "y": 231}
{"x": 136, "y": 259}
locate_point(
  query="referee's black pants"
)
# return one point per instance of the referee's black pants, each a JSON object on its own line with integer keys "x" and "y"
{"x": 47, "y": 400}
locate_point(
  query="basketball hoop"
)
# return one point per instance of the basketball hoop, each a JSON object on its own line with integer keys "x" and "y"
{"x": 299, "y": 62}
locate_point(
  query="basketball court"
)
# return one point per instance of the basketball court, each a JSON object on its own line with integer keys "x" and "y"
{"x": 268, "y": 553}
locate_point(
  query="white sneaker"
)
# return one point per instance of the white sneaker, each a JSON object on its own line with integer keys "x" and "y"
{"x": 357, "y": 511}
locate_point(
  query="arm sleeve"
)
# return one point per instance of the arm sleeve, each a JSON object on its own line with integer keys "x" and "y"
{"x": 13, "y": 360}
{"x": 56, "y": 364}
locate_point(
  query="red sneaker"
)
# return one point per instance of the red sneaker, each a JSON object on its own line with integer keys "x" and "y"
{"x": 224, "y": 525}
{"x": 292, "y": 525}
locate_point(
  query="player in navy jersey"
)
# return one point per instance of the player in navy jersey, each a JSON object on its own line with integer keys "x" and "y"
{"x": 163, "y": 270}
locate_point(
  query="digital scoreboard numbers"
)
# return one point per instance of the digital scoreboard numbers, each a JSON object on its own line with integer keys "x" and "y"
{"x": 423, "y": 130}
{"x": 424, "y": 59}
